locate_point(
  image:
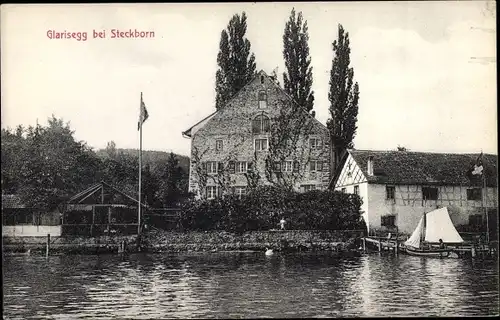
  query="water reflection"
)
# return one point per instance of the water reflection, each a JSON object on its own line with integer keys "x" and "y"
{"x": 246, "y": 285}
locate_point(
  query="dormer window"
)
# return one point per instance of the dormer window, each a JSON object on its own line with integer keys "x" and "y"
{"x": 262, "y": 99}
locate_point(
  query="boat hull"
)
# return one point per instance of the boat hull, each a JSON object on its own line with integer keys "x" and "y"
{"x": 436, "y": 253}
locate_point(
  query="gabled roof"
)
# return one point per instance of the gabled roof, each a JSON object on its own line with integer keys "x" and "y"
{"x": 188, "y": 133}
{"x": 407, "y": 167}
{"x": 94, "y": 193}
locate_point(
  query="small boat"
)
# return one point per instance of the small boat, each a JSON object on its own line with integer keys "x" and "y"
{"x": 269, "y": 252}
{"x": 434, "y": 228}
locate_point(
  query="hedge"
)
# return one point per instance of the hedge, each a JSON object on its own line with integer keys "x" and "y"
{"x": 262, "y": 209}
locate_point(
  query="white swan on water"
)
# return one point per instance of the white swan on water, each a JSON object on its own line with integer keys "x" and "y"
{"x": 269, "y": 252}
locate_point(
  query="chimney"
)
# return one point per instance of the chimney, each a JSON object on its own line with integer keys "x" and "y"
{"x": 313, "y": 114}
{"x": 370, "y": 166}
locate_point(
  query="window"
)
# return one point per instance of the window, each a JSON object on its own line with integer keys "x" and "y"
{"x": 232, "y": 167}
{"x": 211, "y": 192}
{"x": 308, "y": 187}
{"x": 476, "y": 220}
{"x": 288, "y": 166}
{"x": 388, "y": 221}
{"x": 429, "y": 193}
{"x": 474, "y": 194}
{"x": 241, "y": 167}
{"x": 218, "y": 145}
{"x": 240, "y": 191}
{"x": 356, "y": 190}
{"x": 262, "y": 79}
{"x": 296, "y": 166}
{"x": 390, "y": 192}
{"x": 315, "y": 166}
{"x": 260, "y": 144}
{"x": 315, "y": 143}
{"x": 260, "y": 124}
{"x": 277, "y": 166}
{"x": 262, "y": 99}
{"x": 344, "y": 190}
{"x": 211, "y": 167}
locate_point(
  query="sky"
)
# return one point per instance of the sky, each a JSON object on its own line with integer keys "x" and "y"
{"x": 426, "y": 70}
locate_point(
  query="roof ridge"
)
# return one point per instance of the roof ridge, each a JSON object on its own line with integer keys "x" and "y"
{"x": 226, "y": 103}
{"x": 246, "y": 84}
{"x": 426, "y": 152}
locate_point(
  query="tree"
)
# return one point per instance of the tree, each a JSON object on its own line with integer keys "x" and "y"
{"x": 55, "y": 165}
{"x": 111, "y": 149}
{"x": 236, "y": 63}
{"x": 288, "y": 140}
{"x": 172, "y": 186}
{"x": 150, "y": 187}
{"x": 298, "y": 76}
{"x": 13, "y": 149}
{"x": 343, "y": 97}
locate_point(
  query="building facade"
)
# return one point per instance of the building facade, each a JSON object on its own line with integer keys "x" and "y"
{"x": 260, "y": 137}
{"x": 397, "y": 187}
{"x": 19, "y": 220}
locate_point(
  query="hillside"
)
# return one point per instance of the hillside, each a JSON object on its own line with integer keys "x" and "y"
{"x": 150, "y": 157}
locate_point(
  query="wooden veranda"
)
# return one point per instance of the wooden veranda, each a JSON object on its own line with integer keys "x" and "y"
{"x": 100, "y": 210}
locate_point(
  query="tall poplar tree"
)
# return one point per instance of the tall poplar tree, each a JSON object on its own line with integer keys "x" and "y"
{"x": 298, "y": 76}
{"x": 236, "y": 65}
{"x": 344, "y": 98}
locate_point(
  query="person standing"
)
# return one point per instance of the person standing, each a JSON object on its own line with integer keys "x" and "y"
{"x": 282, "y": 223}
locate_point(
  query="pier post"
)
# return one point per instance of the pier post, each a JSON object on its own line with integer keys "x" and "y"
{"x": 396, "y": 249}
{"x": 48, "y": 246}
{"x": 379, "y": 245}
{"x": 121, "y": 248}
{"x": 364, "y": 244}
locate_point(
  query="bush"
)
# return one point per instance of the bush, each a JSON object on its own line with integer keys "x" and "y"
{"x": 262, "y": 209}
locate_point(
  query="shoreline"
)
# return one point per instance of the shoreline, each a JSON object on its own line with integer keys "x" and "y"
{"x": 160, "y": 241}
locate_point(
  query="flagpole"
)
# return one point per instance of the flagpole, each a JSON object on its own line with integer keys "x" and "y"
{"x": 140, "y": 171}
{"x": 484, "y": 204}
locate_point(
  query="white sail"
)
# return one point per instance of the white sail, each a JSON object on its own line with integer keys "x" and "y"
{"x": 414, "y": 240}
{"x": 439, "y": 226}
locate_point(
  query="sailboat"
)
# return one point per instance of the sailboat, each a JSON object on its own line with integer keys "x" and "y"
{"x": 434, "y": 226}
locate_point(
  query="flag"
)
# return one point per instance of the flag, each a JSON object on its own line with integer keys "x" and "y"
{"x": 477, "y": 170}
{"x": 143, "y": 114}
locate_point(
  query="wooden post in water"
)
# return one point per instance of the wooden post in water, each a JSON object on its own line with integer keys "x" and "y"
{"x": 364, "y": 244}
{"x": 396, "y": 249}
{"x": 379, "y": 244}
{"x": 48, "y": 246}
{"x": 93, "y": 221}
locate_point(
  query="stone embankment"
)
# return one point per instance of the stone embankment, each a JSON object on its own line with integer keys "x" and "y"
{"x": 289, "y": 240}
{"x": 69, "y": 245}
{"x": 171, "y": 241}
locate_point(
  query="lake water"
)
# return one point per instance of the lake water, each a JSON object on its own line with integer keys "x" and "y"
{"x": 245, "y": 285}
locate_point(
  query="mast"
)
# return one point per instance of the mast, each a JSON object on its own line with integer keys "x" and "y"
{"x": 424, "y": 226}
{"x": 483, "y": 198}
{"x": 140, "y": 169}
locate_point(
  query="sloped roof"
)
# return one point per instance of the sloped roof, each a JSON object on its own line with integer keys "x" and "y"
{"x": 12, "y": 201}
{"x": 188, "y": 133}
{"x": 94, "y": 193}
{"x": 406, "y": 167}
